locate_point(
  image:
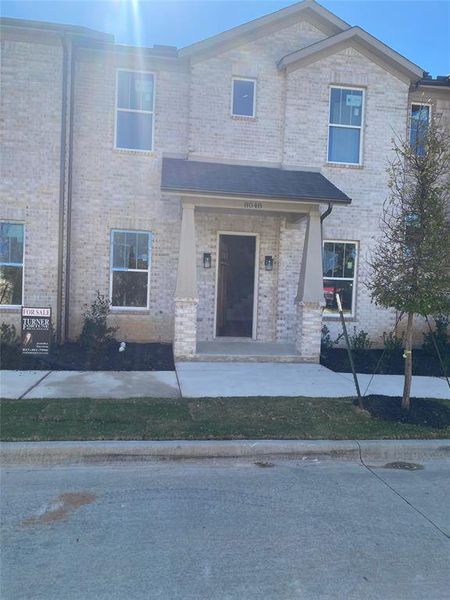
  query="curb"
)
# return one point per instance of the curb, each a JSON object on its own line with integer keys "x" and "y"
{"x": 48, "y": 453}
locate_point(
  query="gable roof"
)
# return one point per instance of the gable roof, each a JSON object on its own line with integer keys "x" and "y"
{"x": 361, "y": 40}
{"x": 245, "y": 181}
{"x": 308, "y": 9}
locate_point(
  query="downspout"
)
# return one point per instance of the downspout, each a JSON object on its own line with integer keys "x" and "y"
{"x": 69, "y": 196}
{"x": 62, "y": 190}
{"x": 324, "y": 215}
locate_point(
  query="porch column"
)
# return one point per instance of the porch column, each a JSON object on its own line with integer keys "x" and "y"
{"x": 186, "y": 293}
{"x": 310, "y": 300}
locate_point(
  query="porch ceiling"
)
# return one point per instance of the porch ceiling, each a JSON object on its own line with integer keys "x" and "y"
{"x": 245, "y": 181}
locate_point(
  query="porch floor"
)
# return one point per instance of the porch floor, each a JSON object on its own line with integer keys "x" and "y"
{"x": 246, "y": 350}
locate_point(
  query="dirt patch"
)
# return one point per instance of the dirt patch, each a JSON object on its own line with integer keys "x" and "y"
{"x": 405, "y": 466}
{"x": 60, "y": 508}
{"x": 427, "y": 413}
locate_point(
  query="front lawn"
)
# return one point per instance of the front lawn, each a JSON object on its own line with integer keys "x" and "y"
{"x": 219, "y": 418}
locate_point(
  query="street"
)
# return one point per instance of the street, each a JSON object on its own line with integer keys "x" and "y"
{"x": 229, "y": 529}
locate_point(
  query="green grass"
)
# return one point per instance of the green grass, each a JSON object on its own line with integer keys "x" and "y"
{"x": 209, "y": 418}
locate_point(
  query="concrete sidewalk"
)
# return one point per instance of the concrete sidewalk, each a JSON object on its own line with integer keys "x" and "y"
{"x": 211, "y": 379}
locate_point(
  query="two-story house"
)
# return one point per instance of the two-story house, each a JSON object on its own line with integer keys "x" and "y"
{"x": 218, "y": 194}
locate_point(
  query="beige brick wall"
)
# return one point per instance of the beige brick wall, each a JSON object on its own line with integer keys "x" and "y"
{"x": 30, "y": 134}
{"x": 119, "y": 189}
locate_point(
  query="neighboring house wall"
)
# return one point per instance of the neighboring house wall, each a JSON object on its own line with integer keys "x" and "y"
{"x": 120, "y": 189}
{"x": 31, "y": 89}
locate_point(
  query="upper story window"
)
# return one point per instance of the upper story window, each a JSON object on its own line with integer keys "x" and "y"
{"x": 339, "y": 276}
{"x": 135, "y": 110}
{"x": 11, "y": 263}
{"x": 243, "y": 97}
{"x": 130, "y": 269}
{"x": 345, "y": 125}
{"x": 419, "y": 121}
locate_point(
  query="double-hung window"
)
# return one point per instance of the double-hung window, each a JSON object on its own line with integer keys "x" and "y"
{"x": 419, "y": 121}
{"x": 345, "y": 125}
{"x": 11, "y": 263}
{"x": 134, "y": 110}
{"x": 339, "y": 276}
{"x": 243, "y": 97}
{"x": 130, "y": 268}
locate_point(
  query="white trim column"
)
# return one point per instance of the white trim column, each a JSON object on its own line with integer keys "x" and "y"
{"x": 310, "y": 300}
{"x": 186, "y": 292}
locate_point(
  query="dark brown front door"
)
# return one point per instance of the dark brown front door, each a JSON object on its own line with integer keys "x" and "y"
{"x": 235, "y": 285}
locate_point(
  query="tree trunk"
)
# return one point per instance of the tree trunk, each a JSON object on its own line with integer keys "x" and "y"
{"x": 406, "y": 401}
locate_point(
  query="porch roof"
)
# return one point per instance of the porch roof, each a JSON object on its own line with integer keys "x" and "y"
{"x": 218, "y": 179}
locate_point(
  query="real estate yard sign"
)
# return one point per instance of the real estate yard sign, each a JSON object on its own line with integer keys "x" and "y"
{"x": 36, "y": 330}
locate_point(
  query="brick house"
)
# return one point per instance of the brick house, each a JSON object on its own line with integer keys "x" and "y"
{"x": 219, "y": 193}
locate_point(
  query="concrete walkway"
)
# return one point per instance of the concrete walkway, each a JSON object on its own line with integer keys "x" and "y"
{"x": 211, "y": 379}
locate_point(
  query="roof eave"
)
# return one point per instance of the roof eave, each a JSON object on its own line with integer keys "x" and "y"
{"x": 280, "y": 198}
{"x": 307, "y": 9}
{"x": 353, "y": 36}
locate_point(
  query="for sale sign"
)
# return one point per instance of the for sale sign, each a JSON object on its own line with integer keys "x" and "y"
{"x": 36, "y": 330}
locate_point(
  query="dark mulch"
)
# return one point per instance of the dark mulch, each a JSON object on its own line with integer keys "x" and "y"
{"x": 392, "y": 364}
{"x": 424, "y": 412}
{"x": 71, "y": 357}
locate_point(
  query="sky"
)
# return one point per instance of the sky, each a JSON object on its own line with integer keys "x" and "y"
{"x": 418, "y": 29}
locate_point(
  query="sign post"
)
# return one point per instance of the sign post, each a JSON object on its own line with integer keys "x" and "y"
{"x": 36, "y": 330}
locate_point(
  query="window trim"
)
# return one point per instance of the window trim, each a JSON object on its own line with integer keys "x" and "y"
{"x": 352, "y": 314}
{"x": 16, "y": 306}
{"x": 360, "y": 127}
{"x": 253, "y": 80}
{"x": 111, "y": 270}
{"x": 430, "y": 108}
{"x": 134, "y": 110}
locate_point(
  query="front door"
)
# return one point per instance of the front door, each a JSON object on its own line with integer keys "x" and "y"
{"x": 235, "y": 285}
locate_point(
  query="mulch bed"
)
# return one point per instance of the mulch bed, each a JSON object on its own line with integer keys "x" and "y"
{"x": 366, "y": 362}
{"x": 71, "y": 357}
{"x": 424, "y": 412}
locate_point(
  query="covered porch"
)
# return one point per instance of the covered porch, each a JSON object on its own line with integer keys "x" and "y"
{"x": 249, "y": 280}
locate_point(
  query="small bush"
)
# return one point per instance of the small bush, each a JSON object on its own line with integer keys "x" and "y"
{"x": 96, "y": 335}
{"x": 360, "y": 342}
{"x": 440, "y": 336}
{"x": 9, "y": 345}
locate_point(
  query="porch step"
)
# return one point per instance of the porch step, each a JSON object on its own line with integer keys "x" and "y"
{"x": 246, "y": 351}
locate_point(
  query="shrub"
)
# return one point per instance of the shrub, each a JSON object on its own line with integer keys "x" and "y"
{"x": 8, "y": 335}
{"x": 393, "y": 344}
{"x": 360, "y": 342}
{"x": 9, "y": 345}
{"x": 440, "y": 336}
{"x": 327, "y": 343}
{"x": 96, "y": 335}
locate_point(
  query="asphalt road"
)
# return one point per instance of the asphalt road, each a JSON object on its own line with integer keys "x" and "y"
{"x": 228, "y": 530}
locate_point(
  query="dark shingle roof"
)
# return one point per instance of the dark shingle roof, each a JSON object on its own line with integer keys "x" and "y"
{"x": 217, "y": 179}
{"x": 440, "y": 81}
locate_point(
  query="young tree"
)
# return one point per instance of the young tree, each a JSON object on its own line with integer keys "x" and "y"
{"x": 410, "y": 265}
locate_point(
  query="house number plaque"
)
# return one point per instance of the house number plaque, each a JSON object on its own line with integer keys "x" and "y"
{"x": 252, "y": 204}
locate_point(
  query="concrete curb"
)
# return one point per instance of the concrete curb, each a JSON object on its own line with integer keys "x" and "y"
{"x": 45, "y": 453}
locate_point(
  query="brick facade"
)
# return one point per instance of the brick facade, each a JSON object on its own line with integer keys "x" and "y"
{"x": 120, "y": 189}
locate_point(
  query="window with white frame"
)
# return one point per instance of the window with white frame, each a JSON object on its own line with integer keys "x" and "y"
{"x": 339, "y": 276}
{"x": 134, "y": 110}
{"x": 419, "y": 121}
{"x": 243, "y": 97}
{"x": 130, "y": 268}
{"x": 11, "y": 263}
{"x": 345, "y": 125}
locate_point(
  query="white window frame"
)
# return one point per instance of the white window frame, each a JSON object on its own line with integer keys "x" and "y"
{"x": 253, "y": 80}
{"x": 112, "y": 269}
{"x": 22, "y": 264}
{"x": 360, "y": 127}
{"x": 145, "y": 112}
{"x": 347, "y": 315}
{"x": 430, "y": 108}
